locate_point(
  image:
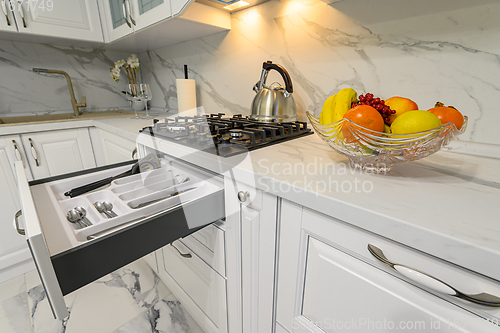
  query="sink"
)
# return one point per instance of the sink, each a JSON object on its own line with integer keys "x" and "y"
{"x": 48, "y": 118}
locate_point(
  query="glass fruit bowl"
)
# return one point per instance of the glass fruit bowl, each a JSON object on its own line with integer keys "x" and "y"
{"x": 377, "y": 152}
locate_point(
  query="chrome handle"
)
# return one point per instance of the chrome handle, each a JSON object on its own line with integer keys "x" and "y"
{"x": 34, "y": 153}
{"x": 243, "y": 195}
{"x": 134, "y": 152}
{"x": 130, "y": 13}
{"x": 20, "y": 9}
{"x": 17, "y": 151}
{"x": 5, "y": 12}
{"x": 125, "y": 13}
{"x": 185, "y": 255}
{"x": 16, "y": 223}
{"x": 433, "y": 283}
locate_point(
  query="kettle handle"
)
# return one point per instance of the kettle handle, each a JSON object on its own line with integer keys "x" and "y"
{"x": 267, "y": 66}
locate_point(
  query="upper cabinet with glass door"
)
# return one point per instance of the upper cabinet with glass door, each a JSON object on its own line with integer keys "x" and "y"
{"x": 124, "y": 17}
{"x": 147, "y": 12}
{"x": 71, "y": 19}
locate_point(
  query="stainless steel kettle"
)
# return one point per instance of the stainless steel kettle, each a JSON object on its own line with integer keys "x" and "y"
{"x": 273, "y": 103}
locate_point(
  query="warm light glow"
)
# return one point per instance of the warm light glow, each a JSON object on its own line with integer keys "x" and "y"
{"x": 251, "y": 16}
{"x": 236, "y": 5}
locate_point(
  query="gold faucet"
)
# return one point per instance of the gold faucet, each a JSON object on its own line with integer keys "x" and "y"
{"x": 74, "y": 103}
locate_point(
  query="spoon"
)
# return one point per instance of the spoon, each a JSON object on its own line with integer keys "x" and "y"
{"x": 434, "y": 283}
{"x": 73, "y": 216}
{"x": 83, "y": 214}
{"x": 101, "y": 209}
{"x": 109, "y": 208}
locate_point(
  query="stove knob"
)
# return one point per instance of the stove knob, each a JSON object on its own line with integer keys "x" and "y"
{"x": 243, "y": 195}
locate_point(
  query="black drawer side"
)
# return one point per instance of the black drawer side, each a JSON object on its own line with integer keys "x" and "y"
{"x": 80, "y": 266}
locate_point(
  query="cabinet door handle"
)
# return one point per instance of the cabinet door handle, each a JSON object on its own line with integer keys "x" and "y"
{"x": 185, "y": 255}
{"x": 5, "y": 12}
{"x": 34, "y": 153}
{"x": 433, "y": 283}
{"x": 134, "y": 152}
{"x": 20, "y": 9}
{"x": 17, "y": 151}
{"x": 16, "y": 223}
{"x": 125, "y": 13}
{"x": 130, "y": 13}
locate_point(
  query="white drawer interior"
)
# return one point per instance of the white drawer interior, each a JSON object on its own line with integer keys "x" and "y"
{"x": 125, "y": 194}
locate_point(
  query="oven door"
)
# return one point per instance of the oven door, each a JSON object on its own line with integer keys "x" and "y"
{"x": 153, "y": 209}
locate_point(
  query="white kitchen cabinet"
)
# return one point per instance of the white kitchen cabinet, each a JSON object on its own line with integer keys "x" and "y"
{"x": 53, "y": 153}
{"x": 70, "y": 19}
{"x": 15, "y": 258}
{"x": 258, "y": 242}
{"x": 110, "y": 148}
{"x": 329, "y": 282}
{"x": 123, "y": 17}
{"x": 200, "y": 289}
{"x": 148, "y": 12}
{"x": 116, "y": 19}
{"x": 7, "y": 19}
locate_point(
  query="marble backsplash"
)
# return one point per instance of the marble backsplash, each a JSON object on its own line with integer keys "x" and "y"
{"x": 23, "y": 92}
{"x": 427, "y": 50}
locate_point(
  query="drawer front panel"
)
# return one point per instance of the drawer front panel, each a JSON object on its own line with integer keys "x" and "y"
{"x": 344, "y": 294}
{"x": 355, "y": 241}
{"x": 198, "y": 281}
{"x": 208, "y": 245}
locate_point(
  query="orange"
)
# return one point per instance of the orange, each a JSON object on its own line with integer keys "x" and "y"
{"x": 400, "y": 105}
{"x": 365, "y": 116}
{"x": 448, "y": 115}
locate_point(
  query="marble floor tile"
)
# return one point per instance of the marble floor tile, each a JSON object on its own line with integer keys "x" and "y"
{"x": 32, "y": 279}
{"x": 102, "y": 306}
{"x": 12, "y": 287}
{"x": 167, "y": 316}
{"x": 14, "y": 315}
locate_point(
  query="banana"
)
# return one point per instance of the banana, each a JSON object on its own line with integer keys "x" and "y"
{"x": 327, "y": 110}
{"x": 344, "y": 100}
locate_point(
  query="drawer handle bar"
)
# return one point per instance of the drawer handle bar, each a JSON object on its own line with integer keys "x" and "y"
{"x": 17, "y": 151}
{"x": 125, "y": 13}
{"x": 20, "y": 9}
{"x": 184, "y": 255}
{"x": 5, "y": 12}
{"x": 432, "y": 282}
{"x": 130, "y": 13}
{"x": 34, "y": 153}
{"x": 16, "y": 223}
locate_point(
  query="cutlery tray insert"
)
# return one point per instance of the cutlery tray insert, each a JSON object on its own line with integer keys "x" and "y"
{"x": 133, "y": 197}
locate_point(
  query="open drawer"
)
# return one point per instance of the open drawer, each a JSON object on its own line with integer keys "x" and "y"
{"x": 69, "y": 256}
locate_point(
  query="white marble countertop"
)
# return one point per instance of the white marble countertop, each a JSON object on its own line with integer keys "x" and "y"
{"x": 447, "y": 205}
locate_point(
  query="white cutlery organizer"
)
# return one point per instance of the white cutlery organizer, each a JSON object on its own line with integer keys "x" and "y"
{"x": 125, "y": 194}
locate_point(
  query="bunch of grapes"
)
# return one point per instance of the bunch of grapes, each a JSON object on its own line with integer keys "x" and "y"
{"x": 377, "y": 103}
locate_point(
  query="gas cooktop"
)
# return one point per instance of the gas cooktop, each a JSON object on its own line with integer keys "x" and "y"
{"x": 225, "y": 136}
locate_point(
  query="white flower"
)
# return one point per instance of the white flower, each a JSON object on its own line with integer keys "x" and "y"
{"x": 119, "y": 64}
{"x": 134, "y": 63}
{"x": 115, "y": 73}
